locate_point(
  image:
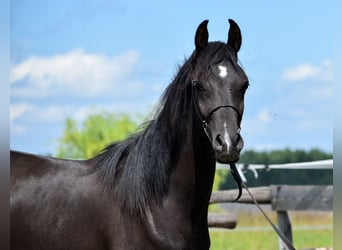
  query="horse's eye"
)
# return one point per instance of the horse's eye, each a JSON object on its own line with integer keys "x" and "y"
{"x": 199, "y": 87}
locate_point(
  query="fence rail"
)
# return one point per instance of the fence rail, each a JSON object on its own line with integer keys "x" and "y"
{"x": 282, "y": 198}
{"x": 323, "y": 164}
{"x": 228, "y": 221}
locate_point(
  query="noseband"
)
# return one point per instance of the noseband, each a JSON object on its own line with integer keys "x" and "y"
{"x": 206, "y": 119}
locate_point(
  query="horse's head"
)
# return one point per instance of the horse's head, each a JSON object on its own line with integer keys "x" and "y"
{"x": 218, "y": 89}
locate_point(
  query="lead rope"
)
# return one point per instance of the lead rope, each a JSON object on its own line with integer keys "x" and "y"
{"x": 237, "y": 178}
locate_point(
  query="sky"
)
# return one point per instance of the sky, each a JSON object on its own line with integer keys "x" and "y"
{"x": 69, "y": 58}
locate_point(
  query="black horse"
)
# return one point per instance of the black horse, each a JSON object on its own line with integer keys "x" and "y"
{"x": 152, "y": 190}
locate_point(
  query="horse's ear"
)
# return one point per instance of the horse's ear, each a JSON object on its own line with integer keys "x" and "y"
{"x": 202, "y": 35}
{"x": 234, "y": 36}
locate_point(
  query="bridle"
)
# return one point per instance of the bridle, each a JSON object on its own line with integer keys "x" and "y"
{"x": 206, "y": 118}
{"x": 205, "y": 121}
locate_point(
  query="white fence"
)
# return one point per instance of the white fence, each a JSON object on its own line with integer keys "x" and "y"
{"x": 323, "y": 164}
{"x": 282, "y": 198}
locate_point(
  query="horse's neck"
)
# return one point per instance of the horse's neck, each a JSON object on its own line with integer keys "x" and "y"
{"x": 192, "y": 178}
{"x": 182, "y": 217}
{"x": 204, "y": 168}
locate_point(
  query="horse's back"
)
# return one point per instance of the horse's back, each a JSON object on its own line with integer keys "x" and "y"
{"x": 55, "y": 204}
{"x": 25, "y": 166}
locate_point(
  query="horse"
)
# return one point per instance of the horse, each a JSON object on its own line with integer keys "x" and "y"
{"x": 152, "y": 190}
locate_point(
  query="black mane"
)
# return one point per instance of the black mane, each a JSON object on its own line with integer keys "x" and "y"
{"x": 138, "y": 169}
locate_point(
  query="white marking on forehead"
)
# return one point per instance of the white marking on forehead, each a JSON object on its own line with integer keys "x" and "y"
{"x": 223, "y": 71}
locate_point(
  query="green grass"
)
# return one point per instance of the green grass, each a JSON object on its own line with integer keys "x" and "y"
{"x": 254, "y": 233}
{"x": 267, "y": 240}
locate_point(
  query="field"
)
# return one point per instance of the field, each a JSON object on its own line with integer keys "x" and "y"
{"x": 253, "y": 233}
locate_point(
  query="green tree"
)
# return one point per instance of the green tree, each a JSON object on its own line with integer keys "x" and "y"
{"x": 82, "y": 141}
{"x": 220, "y": 177}
{"x": 283, "y": 156}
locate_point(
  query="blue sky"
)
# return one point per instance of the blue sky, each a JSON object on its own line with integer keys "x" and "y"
{"x": 71, "y": 57}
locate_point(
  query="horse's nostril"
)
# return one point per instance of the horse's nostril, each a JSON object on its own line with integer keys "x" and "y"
{"x": 219, "y": 140}
{"x": 220, "y": 143}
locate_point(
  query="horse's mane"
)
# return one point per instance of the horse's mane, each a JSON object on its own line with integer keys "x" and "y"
{"x": 137, "y": 170}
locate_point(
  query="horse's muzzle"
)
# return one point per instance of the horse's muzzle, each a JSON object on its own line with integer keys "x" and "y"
{"x": 227, "y": 148}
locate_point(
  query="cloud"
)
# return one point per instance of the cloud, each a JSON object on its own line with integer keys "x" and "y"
{"x": 47, "y": 89}
{"x": 258, "y": 123}
{"x": 73, "y": 73}
{"x": 17, "y": 110}
{"x": 307, "y": 71}
{"x": 311, "y": 98}
{"x": 264, "y": 116}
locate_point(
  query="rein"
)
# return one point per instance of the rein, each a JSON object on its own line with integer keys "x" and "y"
{"x": 276, "y": 229}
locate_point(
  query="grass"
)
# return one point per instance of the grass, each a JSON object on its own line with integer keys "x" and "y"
{"x": 255, "y": 240}
{"x": 253, "y": 232}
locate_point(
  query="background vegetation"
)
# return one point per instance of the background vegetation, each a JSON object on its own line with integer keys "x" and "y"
{"x": 97, "y": 131}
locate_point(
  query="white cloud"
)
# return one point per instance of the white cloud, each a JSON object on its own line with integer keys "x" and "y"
{"x": 17, "y": 110}
{"x": 72, "y": 73}
{"x": 259, "y": 123}
{"x": 301, "y": 72}
{"x": 264, "y": 116}
{"x": 306, "y": 71}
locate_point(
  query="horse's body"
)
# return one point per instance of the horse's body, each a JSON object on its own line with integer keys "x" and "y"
{"x": 152, "y": 190}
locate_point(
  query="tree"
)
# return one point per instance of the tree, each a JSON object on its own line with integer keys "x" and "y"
{"x": 95, "y": 133}
{"x": 220, "y": 177}
{"x": 283, "y": 156}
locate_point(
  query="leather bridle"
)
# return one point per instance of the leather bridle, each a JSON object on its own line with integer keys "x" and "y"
{"x": 205, "y": 121}
{"x": 206, "y": 118}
